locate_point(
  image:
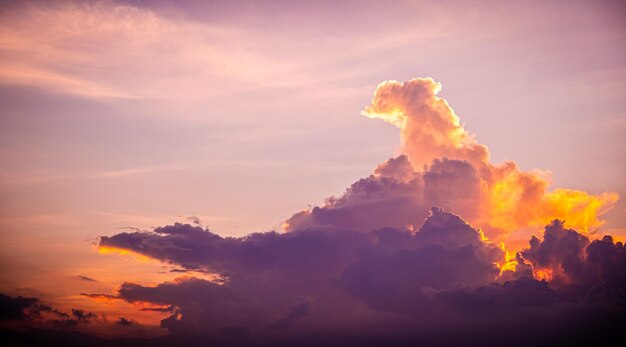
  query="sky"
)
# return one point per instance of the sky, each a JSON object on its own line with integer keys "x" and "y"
{"x": 150, "y": 149}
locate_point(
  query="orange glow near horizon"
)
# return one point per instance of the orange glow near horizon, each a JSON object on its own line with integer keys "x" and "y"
{"x": 168, "y": 276}
{"x": 126, "y": 252}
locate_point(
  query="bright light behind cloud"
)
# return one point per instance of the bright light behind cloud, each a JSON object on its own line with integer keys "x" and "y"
{"x": 501, "y": 199}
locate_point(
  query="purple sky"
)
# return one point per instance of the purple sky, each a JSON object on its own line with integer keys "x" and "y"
{"x": 140, "y": 114}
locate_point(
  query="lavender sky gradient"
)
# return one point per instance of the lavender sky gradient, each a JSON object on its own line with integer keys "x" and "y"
{"x": 117, "y": 114}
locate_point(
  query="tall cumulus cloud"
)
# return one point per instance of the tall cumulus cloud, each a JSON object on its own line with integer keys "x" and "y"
{"x": 415, "y": 253}
{"x": 443, "y": 165}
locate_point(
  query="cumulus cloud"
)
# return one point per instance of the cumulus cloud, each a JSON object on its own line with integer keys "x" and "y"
{"x": 380, "y": 265}
{"x": 567, "y": 258}
{"x": 429, "y": 127}
{"x": 269, "y": 280}
{"x": 334, "y": 282}
{"x": 125, "y": 322}
{"x": 83, "y": 316}
{"x": 13, "y": 308}
{"x": 32, "y": 312}
{"x": 443, "y": 165}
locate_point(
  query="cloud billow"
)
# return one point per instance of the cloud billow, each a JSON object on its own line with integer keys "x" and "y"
{"x": 444, "y": 165}
{"x": 380, "y": 264}
{"x": 279, "y": 286}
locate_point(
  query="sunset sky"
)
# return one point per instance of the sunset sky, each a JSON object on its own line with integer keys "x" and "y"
{"x": 332, "y": 117}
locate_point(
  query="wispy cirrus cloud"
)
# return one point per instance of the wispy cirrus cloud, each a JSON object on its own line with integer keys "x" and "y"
{"x": 86, "y": 47}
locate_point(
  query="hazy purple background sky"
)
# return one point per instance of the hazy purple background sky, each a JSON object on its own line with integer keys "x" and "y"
{"x": 119, "y": 114}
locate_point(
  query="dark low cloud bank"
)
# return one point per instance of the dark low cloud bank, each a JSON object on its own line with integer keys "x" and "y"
{"x": 30, "y": 322}
{"x": 29, "y": 312}
{"x": 439, "y": 285}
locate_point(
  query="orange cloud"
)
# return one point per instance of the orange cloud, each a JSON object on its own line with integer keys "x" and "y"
{"x": 429, "y": 128}
{"x": 442, "y": 164}
{"x": 508, "y": 199}
{"x": 125, "y": 252}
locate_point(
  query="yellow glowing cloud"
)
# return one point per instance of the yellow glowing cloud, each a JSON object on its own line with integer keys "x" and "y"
{"x": 509, "y": 263}
{"x": 125, "y": 252}
{"x": 543, "y": 274}
{"x": 579, "y": 210}
{"x": 510, "y": 199}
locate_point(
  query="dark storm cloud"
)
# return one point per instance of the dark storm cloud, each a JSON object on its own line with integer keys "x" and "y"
{"x": 333, "y": 282}
{"x": 570, "y": 259}
{"x": 32, "y": 313}
{"x": 23, "y": 309}
{"x": 101, "y": 296}
{"x": 400, "y": 274}
{"x": 193, "y": 247}
{"x": 125, "y": 322}
{"x": 379, "y": 265}
{"x": 318, "y": 251}
{"x": 396, "y": 196}
{"x": 271, "y": 279}
{"x": 299, "y": 310}
{"x": 13, "y": 308}
{"x": 159, "y": 309}
{"x": 384, "y": 199}
{"x": 83, "y": 315}
{"x": 46, "y": 308}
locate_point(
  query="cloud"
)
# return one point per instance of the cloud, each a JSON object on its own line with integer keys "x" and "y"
{"x": 85, "y": 278}
{"x": 13, "y": 308}
{"x": 125, "y": 322}
{"x": 429, "y": 127}
{"x": 331, "y": 282}
{"x": 297, "y": 311}
{"x": 116, "y": 49}
{"x": 83, "y": 316}
{"x": 567, "y": 258}
{"x": 443, "y": 165}
{"x": 193, "y": 247}
{"x": 382, "y": 256}
{"x": 103, "y": 297}
{"x": 32, "y": 313}
{"x": 29, "y": 321}
{"x": 271, "y": 282}
{"x": 401, "y": 276}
